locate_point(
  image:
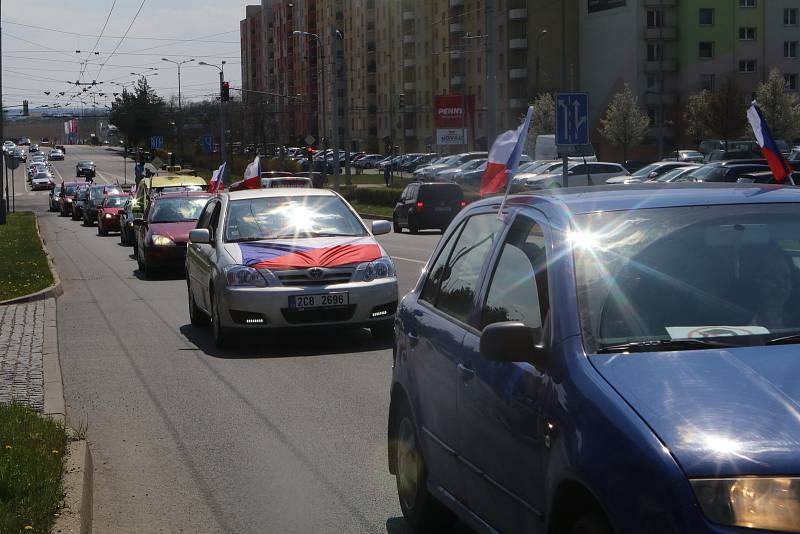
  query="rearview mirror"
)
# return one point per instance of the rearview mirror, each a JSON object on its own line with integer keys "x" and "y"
{"x": 200, "y": 236}
{"x": 513, "y": 341}
{"x": 381, "y": 227}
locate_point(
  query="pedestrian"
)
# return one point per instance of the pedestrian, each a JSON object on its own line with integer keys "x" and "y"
{"x": 387, "y": 173}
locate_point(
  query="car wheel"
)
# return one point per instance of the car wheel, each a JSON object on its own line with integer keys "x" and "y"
{"x": 591, "y": 523}
{"x": 86, "y": 220}
{"x": 220, "y": 333}
{"x": 412, "y": 224}
{"x": 196, "y": 316}
{"x": 419, "y": 507}
{"x": 396, "y": 224}
{"x": 383, "y": 331}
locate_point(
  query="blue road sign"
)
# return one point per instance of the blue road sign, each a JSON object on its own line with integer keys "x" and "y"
{"x": 156, "y": 142}
{"x": 207, "y": 143}
{"x": 572, "y": 119}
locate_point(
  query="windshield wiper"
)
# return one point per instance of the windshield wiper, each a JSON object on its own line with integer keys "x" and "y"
{"x": 246, "y": 239}
{"x": 665, "y": 344}
{"x": 323, "y": 234}
{"x": 784, "y": 340}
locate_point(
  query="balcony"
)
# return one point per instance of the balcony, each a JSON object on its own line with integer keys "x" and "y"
{"x": 654, "y": 99}
{"x": 661, "y": 34}
{"x": 518, "y": 44}
{"x": 518, "y": 14}
{"x": 518, "y": 103}
{"x": 408, "y": 15}
{"x": 409, "y": 39}
{"x": 409, "y": 62}
{"x": 410, "y": 132}
{"x": 409, "y": 86}
{"x": 457, "y": 80}
{"x": 456, "y": 54}
{"x": 456, "y": 3}
{"x": 518, "y": 74}
{"x": 664, "y": 65}
{"x": 456, "y": 27}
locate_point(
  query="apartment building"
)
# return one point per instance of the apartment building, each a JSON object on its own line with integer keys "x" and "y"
{"x": 252, "y": 34}
{"x": 359, "y": 64}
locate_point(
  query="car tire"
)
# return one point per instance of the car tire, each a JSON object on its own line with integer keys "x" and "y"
{"x": 412, "y": 224}
{"x": 86, "y": 220}
{"x": 396, "y": 224}
{"x": 591, "y": 523}
{"x": 196, "y": 316}
{"x": 220, "y": 334}
{"x": 383, "y": 332}
{"x": 419, "y": 507}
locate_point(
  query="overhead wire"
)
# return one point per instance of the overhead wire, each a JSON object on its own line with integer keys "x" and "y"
{"x": 121, "y": 39}
{"x": 197, "y": 39}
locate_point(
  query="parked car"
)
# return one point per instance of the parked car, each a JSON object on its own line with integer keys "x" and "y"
{"x": 649, "y": 172}
{"x": 565, "y": 368}
{"x": 108, "y": 212}
{"x": 578, "y": 174}
{"x": 678, "y": 174}
{"x": 447, "y": 174}
{"x": 766, "y": 177}
{"x": 368, "y": 162}
{"x": 275, "y": 180}
{"x": 633, "y": 165}
{"x": 727, "y": 171}
{"x": 724, "y": 155}
{"x": 429, "y": 172}
{"x": 427, "y": 205}
{"x": 97, "y": 194}
{"x": 794, "y": 155}
{"x": 472, "y": 176}
{"x": 262, "y": 259}
{"x": 161, "y": 235}
{"x": 81, "y": 197}
{"x": 86, "y": 168}
{"x": 689, "y": 156}
{"x": 53, "y": 197}
{"x": 42, "y": 180}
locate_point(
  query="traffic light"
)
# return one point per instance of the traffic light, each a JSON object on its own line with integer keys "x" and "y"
{"x": 402, "y": 100}
{"x": 310, "y": 153}
{"x": 25, "y": 108}
{"x": 225, "y": 91}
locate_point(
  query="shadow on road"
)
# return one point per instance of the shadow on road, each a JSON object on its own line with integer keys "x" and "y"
{"x": 398, "y": 525}
{"x": 307, "y": 341}
{"x": 159, "y": 275}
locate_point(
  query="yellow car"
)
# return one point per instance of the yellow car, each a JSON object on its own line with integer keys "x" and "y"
{"x": 163, "y": 184}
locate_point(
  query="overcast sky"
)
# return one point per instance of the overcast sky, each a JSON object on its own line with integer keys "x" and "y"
{"x": 38, "y": 60}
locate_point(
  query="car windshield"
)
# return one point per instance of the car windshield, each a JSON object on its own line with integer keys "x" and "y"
{"x": 707, "y": 173}
{"x": 42, "y": 176}
{"x": 167, "y": 210}
{"x": 98, "y": 192}
{"x": 114, "y": 202}
{"x": 638, "y": 282}
{"x": 69, "y": 190}
{"x": 85, "y": 164}
{"x": 674, "y": 173}
{"x": 646, "y": 170}
{"x": 290, "y": 217}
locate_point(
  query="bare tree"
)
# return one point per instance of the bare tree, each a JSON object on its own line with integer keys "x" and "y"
{"x": 781, "y": 108}
{"x": 696, "y": 115}
{"x": 727, "y": 112}
{"x": 624, "y": 124}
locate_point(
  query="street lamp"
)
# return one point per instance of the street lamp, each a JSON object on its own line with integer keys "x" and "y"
{"x": 220, "y": 68}
{"x": 538, "y": 41}
{"x": 320, "y": 89}
{"x": 180, "y": 107}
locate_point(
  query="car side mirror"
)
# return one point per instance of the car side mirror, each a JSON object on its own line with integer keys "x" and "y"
{"x": 513, "y": 341}
{"x": 120, "y": 212}
{"x": 200, "y": 236}
{"x": 138, "y": 222}
{"x": 381, "y": 227}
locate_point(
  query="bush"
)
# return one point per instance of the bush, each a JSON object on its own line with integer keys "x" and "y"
{"x": 377, "y": 196}
{"x": 348, "y": 191}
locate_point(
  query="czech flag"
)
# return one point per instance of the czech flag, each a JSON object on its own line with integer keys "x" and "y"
{"x": 777, "y": 162}
{"x": 504, "y": 158}
{"x": 252, "y": 175}
{"x": 323, "y": 252}
{"x": 216, "y": 184}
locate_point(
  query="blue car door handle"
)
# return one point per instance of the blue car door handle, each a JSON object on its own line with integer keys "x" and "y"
{"x": 465, "y": 372}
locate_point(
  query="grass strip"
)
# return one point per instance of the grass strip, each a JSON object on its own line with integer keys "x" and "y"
{"x": 23, "y": 268}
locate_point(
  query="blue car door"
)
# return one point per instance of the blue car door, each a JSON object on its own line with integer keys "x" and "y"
{"x": 435, "y": 336}
{"x": 501, "y": 405}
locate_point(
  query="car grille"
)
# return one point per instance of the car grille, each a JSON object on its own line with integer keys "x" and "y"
{"x": 328, "y": 315}
{"x": 311, "y": 277}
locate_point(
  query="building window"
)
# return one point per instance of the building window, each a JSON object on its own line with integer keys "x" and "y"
{"x": 747, "y": 65}
{"x": 705, "y": 49}
{"x": 790, "y": 16}
{"x": 791, "y": 81}
{"x": 747, "y": 34}
{"x": 654, "y": 115}
{"x": 655, "y": 52}
{"x": 790, "y": 49}
{"x": 654, "y": 84}
{"x": 706, "y": 15}
{"x": 707, "y": 82}
{"x": 655, "y": 18}
{"x": 747, "y": 3}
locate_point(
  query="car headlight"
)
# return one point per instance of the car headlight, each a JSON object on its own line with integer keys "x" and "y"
{"x": 753, "y": 502}
{"x": 69, "y": 201}
{"x": 108, "y": 216}
{"x": 244, "y": 276}
{"x": 380, "y": 268}
{"x": 162, "y": 241}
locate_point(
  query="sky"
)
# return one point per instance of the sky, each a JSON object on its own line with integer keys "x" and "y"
{"x": 37, "y": 60}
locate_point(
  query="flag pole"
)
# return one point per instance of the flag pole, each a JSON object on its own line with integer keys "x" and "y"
{"x": 514, "y": 162}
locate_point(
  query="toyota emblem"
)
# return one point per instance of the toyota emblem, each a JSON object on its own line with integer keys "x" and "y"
{"x": 315, "y": 273}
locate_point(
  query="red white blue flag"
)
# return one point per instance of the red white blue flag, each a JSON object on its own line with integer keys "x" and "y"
{"x": 504, "y": 158}
{"x": 216, "y": 183}
{"x": 252, "y": 175}
{"x": 775, "y": 159}
{"x": 306, "y": 253}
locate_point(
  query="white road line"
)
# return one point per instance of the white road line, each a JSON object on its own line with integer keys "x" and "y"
{"x": 408, "y": 259}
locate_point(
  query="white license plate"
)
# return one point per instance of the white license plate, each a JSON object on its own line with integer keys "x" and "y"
{"x": 324, "y": 300}
{"x": 443, "y": 208}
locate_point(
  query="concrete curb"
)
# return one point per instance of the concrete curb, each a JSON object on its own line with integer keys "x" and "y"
{"x": 53, "y": 291}
{"x": 76, "y": 515}
{"x": 54, "y": 405}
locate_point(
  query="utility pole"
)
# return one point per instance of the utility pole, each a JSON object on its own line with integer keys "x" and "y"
{"x": 2, "y": 121}
{"x": 491, "y": 73}
{"x": 335, "y": 104}
{"x": 222, "y": 143}
{"x": 320, "y": 91}
{"x": 180, "y": 106}
{"x": 564, "y": 88}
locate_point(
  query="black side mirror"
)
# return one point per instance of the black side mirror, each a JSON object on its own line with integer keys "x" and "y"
{"x": 512, "y": 341}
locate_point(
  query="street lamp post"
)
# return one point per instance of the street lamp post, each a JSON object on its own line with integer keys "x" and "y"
{"x": 320, "y": 89}
{"x": 180, "y": 107}
{"x": 538, "y": 54}
{"x": 221, "y": 112}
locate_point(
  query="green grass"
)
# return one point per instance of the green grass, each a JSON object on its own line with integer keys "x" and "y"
{"x": 372, "y": 209}
{"x": 376, "y": 179}
{"x": 24, "y": 268}
{"x": 31, "y": 469}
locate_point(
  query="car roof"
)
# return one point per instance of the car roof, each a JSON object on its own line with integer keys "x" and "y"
{"x": 176, "y": 180}
{"x": 183, "y": 194}
{"x": 590, "y": 199}
{"x": 248, "y": 194}
{"x": 74, "y": 183}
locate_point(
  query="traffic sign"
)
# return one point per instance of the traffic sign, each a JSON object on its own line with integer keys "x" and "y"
{"x": 572, "y": 119}
{"x": 12, "y": 162}
{"x": 207, "y": 143}
{"x": 156, "y": 142}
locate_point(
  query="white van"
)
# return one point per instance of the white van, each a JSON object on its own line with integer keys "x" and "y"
{"x": 546, "y": 149}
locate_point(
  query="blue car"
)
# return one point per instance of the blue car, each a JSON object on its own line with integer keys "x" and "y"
{"x": 602, "y": 360}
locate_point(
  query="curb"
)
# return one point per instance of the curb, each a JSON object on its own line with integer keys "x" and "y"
{"x": 53, "y": 291}
{"x": 54, "y": 405}
{"x": 76, "y": 515}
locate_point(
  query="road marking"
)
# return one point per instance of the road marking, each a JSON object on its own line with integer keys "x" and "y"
{"x": 408, "y": 259}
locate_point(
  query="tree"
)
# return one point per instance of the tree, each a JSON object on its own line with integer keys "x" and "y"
{"x": 624, "y": 124}
{"x": 138, "y": 114}
{"x": 543, "y": 120}
{"x": 781, "y": 109}
{"x": 696, "y": 115}
{"x": 727, "y": 112}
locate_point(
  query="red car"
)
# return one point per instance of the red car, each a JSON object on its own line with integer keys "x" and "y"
{"x": 108, "y": 213}
{"x": 161, "y": 235}
{"x": 67, "y": 197}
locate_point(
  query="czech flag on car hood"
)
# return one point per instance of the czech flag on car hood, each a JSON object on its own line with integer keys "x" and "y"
{"x": 777, "y": 162}
{"x": 306, "y": 253}
{"x": 504, "y": 158}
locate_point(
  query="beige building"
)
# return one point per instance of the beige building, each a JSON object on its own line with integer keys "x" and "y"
{"x": 359, "y": 63}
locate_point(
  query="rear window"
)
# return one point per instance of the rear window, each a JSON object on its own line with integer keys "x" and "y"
{"x": 114, "y": 202}
{"x": 293, "y": 182}
{"x": 435, "y": 193}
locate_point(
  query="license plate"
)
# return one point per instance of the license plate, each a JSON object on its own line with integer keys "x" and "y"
{"x": 324, "y": 300}
{"x": 443, "y": 208}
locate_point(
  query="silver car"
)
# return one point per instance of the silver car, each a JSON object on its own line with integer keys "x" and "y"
{"x": 286, "y": 258}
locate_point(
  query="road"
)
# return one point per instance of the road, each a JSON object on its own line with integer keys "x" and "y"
{"x": 283, "y": 434}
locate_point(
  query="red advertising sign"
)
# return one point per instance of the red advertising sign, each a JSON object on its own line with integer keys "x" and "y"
{"x": 450, "y": 111}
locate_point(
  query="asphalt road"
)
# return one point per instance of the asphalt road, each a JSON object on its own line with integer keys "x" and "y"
{"x": 283, "y": 434}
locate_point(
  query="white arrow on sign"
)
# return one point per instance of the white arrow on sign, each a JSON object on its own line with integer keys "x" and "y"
{"x": 563, "y": 106}
{"x": 578, "y": 123}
